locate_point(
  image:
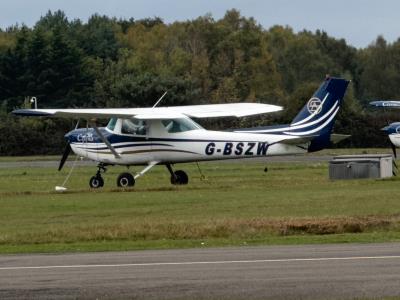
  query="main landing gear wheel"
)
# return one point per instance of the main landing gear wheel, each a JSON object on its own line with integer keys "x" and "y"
{"x": 179, "y": 178}
{"x": 125, "y": 180}
{"x": 96, "y": 182}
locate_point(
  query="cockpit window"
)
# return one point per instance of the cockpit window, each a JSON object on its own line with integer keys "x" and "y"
{"x": 111, "y": 124}
{"x": 133, "y": 126}
{"x": 180, "y": 125}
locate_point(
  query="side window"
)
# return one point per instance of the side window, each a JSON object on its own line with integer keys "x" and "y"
{"x": 180, "y": 125}
{"x": 133, "y": 126}
{"x": 172, "y": 126}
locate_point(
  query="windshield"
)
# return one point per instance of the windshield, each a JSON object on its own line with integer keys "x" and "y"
{"x": 111, "y": 124}
{"x": 180, "y": 125}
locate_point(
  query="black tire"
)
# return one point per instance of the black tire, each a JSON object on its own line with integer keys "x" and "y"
{"x": 125, "y": 180}
{"x": 180, "y": 178}
{"x": 96, "y": 182}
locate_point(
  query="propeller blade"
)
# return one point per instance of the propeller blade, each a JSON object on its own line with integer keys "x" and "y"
{"x": 395, "y": 157}
{"x": 394, "y": 149}
{"x": 67, "y": 151}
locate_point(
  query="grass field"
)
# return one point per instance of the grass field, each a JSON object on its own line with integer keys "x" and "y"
{"x": 237, "y": 204}
{"x": 338, "y": 151}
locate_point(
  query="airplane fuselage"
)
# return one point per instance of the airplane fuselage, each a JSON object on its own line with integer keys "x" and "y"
{"x": 189, "y": 146}
{"x": 393, "y": 131}
{"x": 395, "y": 139}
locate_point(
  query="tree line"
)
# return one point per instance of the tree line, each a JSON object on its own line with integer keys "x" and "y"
{"x": 110, "y": 62}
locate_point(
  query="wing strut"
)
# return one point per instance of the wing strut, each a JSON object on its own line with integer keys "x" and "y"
{"x": 103, "y": 138}
{"x": 149, "y": 166}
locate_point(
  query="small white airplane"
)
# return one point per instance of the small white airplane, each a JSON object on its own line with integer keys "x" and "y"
{"x": 393, "y": 129}
{"x": 168, "y": 135}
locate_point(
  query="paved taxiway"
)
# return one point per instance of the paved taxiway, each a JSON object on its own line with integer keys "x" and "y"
{"x": 274, "y": 272}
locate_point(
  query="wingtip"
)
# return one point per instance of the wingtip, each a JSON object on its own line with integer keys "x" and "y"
{"x": 30, "y": 113}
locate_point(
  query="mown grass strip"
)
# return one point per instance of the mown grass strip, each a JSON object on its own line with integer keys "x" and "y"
{"x": 237, "y": 204}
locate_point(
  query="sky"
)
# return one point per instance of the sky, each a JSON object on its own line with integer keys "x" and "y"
{"x": 357, "y": 21}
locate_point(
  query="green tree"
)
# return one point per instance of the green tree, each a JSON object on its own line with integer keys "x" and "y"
{"x": 380, "y": 72}
{"x": 98, "y": 37}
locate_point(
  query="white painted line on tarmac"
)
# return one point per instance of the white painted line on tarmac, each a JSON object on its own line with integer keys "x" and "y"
{"x": 159, "y": 264}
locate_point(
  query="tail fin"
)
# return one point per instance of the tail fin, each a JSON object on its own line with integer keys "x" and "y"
{"x": 315, "y": 121}
{"x": 317, "y": 117}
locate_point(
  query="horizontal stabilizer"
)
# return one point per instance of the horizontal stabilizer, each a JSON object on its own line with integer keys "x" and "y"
{"x": 297, "y": 140}
{"x": 336, "y": 138}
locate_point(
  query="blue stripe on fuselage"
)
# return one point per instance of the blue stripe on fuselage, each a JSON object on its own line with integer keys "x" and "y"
{"x": 92, "y": 138}
{"x": 122, "y": 146}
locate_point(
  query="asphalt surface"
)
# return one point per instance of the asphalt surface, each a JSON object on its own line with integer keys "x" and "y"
{"x": 54, "y": 164}
{"x": 345, "y": 271}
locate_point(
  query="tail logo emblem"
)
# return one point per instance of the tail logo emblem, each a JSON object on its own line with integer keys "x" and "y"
{"x": 314, "y": 105}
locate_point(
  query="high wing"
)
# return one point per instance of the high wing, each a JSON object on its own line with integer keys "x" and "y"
{"x": 386, "y": 103}
{"x": 171, "y": 112}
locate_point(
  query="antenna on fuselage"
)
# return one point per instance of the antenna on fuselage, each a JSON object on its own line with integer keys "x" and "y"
{"x": 158, "y": 101}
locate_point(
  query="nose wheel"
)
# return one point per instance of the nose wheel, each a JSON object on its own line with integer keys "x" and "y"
{"x": 97, "y": 181}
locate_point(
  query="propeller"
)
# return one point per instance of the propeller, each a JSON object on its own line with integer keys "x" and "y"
{"x": 67, "y": 151}
{"x": 395, "y": 157}
{"x": 393, "y": 149}
{"x": 68, "y": 148}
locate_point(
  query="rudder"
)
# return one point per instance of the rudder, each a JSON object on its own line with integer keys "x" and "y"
{"x": 318, "y": 116}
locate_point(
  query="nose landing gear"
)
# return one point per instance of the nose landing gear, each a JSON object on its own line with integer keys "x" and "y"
{"x": 97, "y": 181}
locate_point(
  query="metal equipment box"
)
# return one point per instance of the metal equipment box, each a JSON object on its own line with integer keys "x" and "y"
{"x": 361, "y": 166}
